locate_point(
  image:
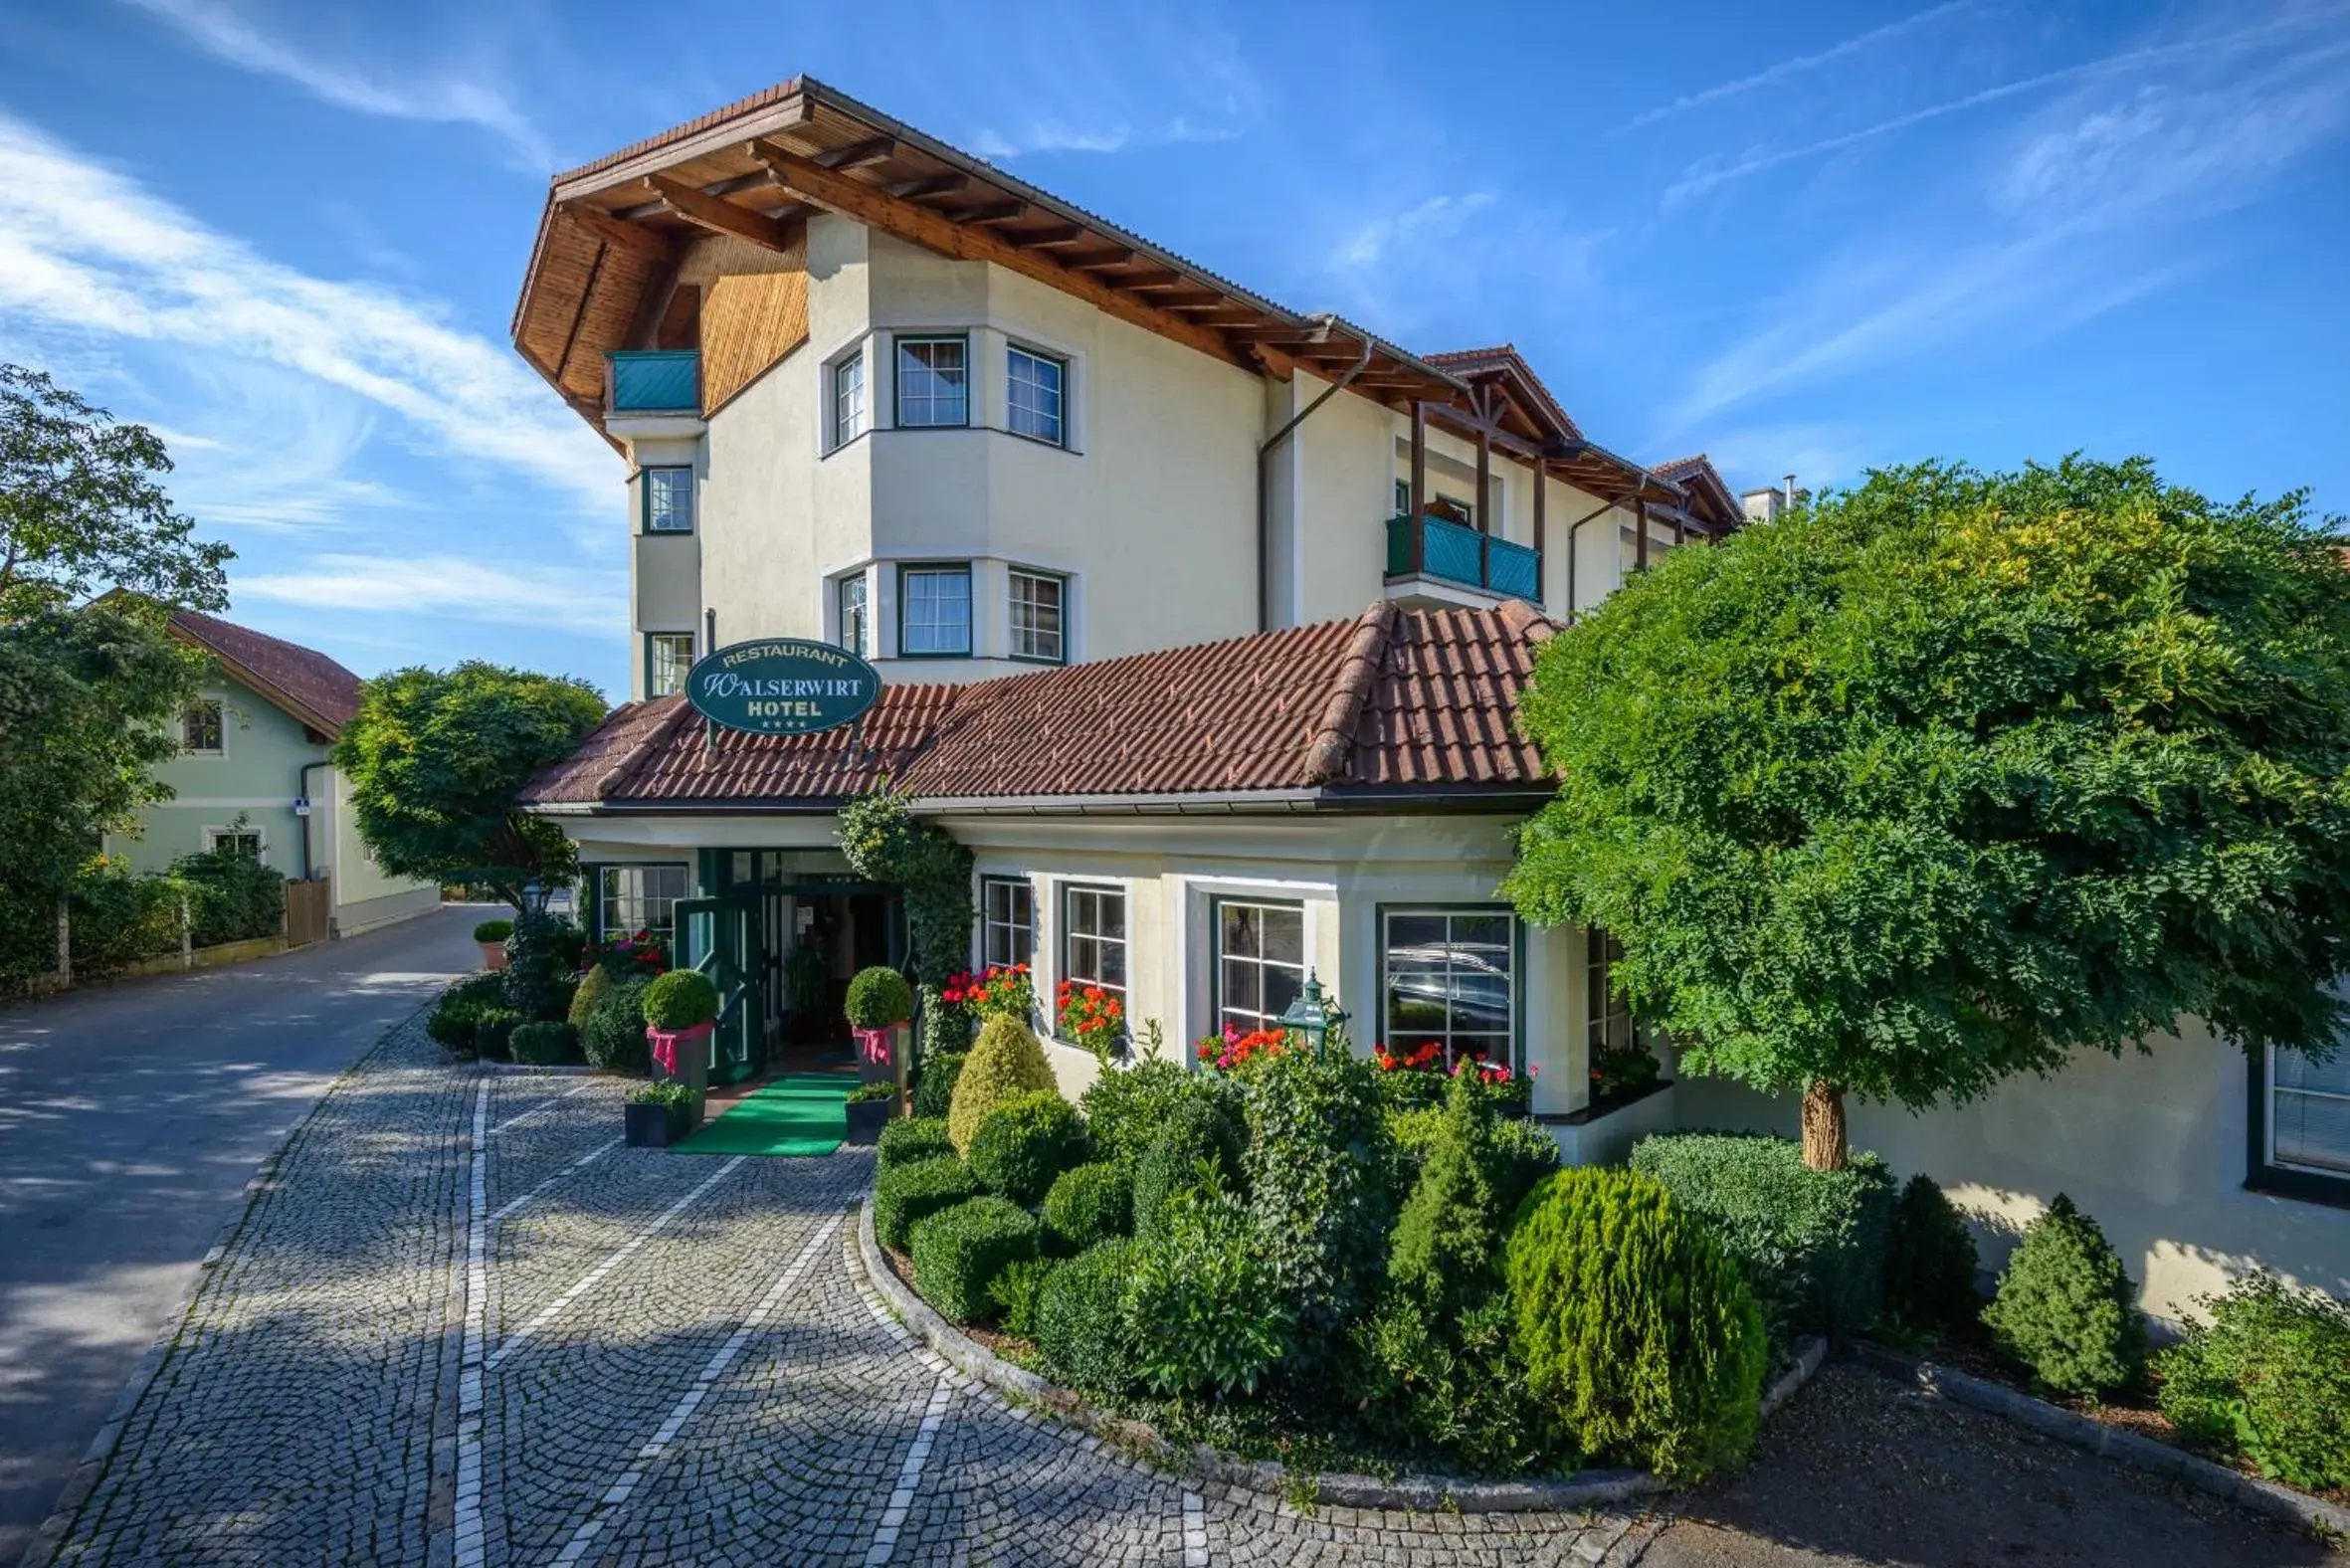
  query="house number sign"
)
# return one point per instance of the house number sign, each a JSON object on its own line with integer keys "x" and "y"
{"x": 782, "y": 685}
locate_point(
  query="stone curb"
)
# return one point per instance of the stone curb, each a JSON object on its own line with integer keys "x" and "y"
{"x": 2081, "y": 1432}
{"x": 92, "y": 1466}
{"x": 1414, "y": 1494}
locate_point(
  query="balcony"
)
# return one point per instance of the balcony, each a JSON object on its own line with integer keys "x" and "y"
{"x": 653, "y": 381}
{"x": 1439, "y": 550}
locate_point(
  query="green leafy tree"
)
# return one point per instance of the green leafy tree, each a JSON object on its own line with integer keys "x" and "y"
{"x": 436, "y": 760}
{"x": 1954, "y": 774}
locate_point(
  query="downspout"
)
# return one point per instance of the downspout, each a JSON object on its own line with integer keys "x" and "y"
{"x": 1264, "y": 490}
{"x": 301, "y": 789}
{"x": 1572, "y": 528}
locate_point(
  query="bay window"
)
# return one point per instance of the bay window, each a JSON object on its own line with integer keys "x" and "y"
{"x": 1450, "y": 978}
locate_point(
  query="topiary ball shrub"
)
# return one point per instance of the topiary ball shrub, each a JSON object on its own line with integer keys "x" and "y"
{"x": 1198, "y": 1130}
{"x": 958, "y": 1252}
{"x": 591, "y": 989}
{"x": 1017, "y": 1290}
{"x": 544, "y": 1043}
{"x": 1086, "y": 1204}
{"x": 1209, "y": 1315}
{"x": 2065, "y": 1310}
{"x": 493, "y": 1031}
{"x": 1930, "y": 1261}
{"x": 1812, "y": 1243}
{"x": 1025, "y": 1143}
{"x": 1081, "y": 1322}
{"x": 494, "y": 931}
{"x": 916, "y": 1138}
{"x": 934, "y": 1082}
{"x": 906, "y": 1195}
{"x": 1634, "y": 1327}
{"x": 879, "y": 997}
{"x": 1006, "y": 1060}
{"x": 681, "y": 999}
{"x": 2266, "y": 1380}
{"x": 613, "y": 1035}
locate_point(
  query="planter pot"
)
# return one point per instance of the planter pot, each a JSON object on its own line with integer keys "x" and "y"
{"x": 493, "y": 955}
{"x": 867, "y": 1118}
{"x": 655, "y": 1126}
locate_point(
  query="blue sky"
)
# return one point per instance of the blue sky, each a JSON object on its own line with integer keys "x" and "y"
{"x": 1813, "y": 237}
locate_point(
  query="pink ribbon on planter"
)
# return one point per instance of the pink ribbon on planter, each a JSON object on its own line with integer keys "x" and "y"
{"x": 664, "y": 1053}
{"x": 874, "y": 1044}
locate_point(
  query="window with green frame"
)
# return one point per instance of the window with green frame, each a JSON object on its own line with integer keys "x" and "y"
{"x": 1450, "y": 977}
{"x": 1260, "y": 962}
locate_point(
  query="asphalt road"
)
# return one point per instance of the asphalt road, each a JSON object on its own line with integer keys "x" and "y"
{"x": 130, "y": 1119}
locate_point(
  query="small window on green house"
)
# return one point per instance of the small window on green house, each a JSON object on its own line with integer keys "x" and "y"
{"x": 200, "y": 733}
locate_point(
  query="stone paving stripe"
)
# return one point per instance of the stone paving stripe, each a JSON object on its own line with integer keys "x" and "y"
{"x": 690, "y": 1401}
{"x": 585, "y": 1160}
{"x": 548, "y": 1314}
{"x": 477, "y": 1302}
{"x": 545, "y": 1105}
{"x": 910, "y": 1476}
{"x": 1195, "y": 1530}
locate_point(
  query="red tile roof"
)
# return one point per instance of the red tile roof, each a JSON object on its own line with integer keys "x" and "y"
{"x": 1393, "y": 699}
{"x": 305, "y": 683}
{"x": 1504, "y": 357}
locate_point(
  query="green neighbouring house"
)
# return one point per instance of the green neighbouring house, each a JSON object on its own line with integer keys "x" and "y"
{"x": 252, "y": 771}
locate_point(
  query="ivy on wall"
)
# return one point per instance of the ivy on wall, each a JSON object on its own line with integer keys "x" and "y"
{"x": 885, "y": 843}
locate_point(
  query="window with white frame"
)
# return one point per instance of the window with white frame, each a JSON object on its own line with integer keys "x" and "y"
{"x": 1260, "y": 962}
{"x": 933, "y": 382}
{"x": 933, "y": 612}
{"x": 1038, "y": 628}
{"x": 633, "y": 899}
{"x": 1007, "y": 921}
{"x": 200, "y": 731}
{"x": 2308, "y": 1113}
{"x": 1093, "y": 937}
{"x": 669, "y": 499}
{"x": 856, "y": 614}
{"x": 848, "y": 399}
{"x": 668, "y": 658}
{"x": 1449, "y": 977}
{"x": 1034, "y": 399}
{"x": 240, "y": 839}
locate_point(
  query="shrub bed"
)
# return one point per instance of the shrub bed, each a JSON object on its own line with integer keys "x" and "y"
{"x": 1080, "y": 1322}
{"x": 909, "y": 1194}
{"x": 544, "y": 1043}
{"x": 1812, "y": 1243}
{"x": 934, "y": 1084}
{"x": 1088, "y": 1205}
{"x": 1023, "y": 1146}
{"x": 613, "y": 1035}
{"x": 2268, "y": 1381}
{"x": 914, "y": 1138}
{"x": 959, "y": 1250}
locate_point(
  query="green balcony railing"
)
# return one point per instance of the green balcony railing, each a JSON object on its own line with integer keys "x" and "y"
{"x": 1457, "y": 553}
{"x": 653, "y": 381}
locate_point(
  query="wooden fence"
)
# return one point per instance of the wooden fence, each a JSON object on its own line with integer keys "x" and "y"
{"x": 307, "y": 906}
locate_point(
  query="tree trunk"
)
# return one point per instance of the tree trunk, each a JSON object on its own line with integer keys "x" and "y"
{"x": 1823, "y": 1126}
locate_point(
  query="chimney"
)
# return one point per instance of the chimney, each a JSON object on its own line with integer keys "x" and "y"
{"x": 1790, "y": 492}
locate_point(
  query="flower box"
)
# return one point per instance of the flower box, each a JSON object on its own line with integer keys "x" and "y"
{"x": 655, "y": 1126}
{"x": 867, "y": 1118}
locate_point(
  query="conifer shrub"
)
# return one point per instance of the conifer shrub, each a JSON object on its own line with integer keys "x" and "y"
{"x": 1453, "y": 1389}
{"x": 914, "y": 1138}
{"x": 1017, "y": 1289}
{"x": 1025, "y": 1143}
{"x": 1200, "y": 1133}
{"x": 1317, "y": 1188}
{"x": 1635, "y": 1332}
{"x": 2266, "y": 1380}
{"x": 905, "y": 1194}
{"x": 1930, "y": 1261}
{"x": 1519, "y": 1153}
{"x": 1443, "y": 1253}
{"x": 1081, "y": 1320}
{"x": 613, "y": 1035}
{"x": 1206, "y": 1312}
{"x": 544, "y": 1043}
{"x": 1089, "y": 1204}
{"x": 1006, "y": 1060}
{"x": 1812, "y": 1243}
{"x": 959, "y": 1250}
{"x": 935, "y": 1084}
{"x": 592, "y": 987}
{"x": 2065, "y": 1310}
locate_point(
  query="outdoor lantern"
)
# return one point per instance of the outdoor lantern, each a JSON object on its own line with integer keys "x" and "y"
{"x": 1311, "y": 1016}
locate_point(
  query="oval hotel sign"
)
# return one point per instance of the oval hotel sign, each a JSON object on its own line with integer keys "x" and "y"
{"x": 782, "y": 685}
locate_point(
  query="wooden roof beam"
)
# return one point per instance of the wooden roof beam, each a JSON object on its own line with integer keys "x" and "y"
{"x": 860, "y": 153}
{"x": 627, "y": 236}
{"x": 992, "y": 212}
{"x": 926, "y": 187}
{"x": 1045, "y": 238}
{"x": 1098, "y": 261}
{"x": 721, "y": 216}
{"x": 935, "y": 231}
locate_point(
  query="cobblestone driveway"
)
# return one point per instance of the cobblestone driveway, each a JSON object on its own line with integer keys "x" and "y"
{"x": 462, "y": 1326}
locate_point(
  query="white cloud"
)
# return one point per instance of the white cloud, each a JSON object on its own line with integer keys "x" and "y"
{"x": 559, "y": 598}
{"x": 85, "y": 249}
{"x": 446, "y": 99}
{"x": 1772, "y": 74}
{"x": 1370, "y": 245}
{"x": 1055, "y": 136}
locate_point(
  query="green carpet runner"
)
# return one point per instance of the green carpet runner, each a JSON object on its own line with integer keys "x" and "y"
{"x": 798, "y": 1113}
